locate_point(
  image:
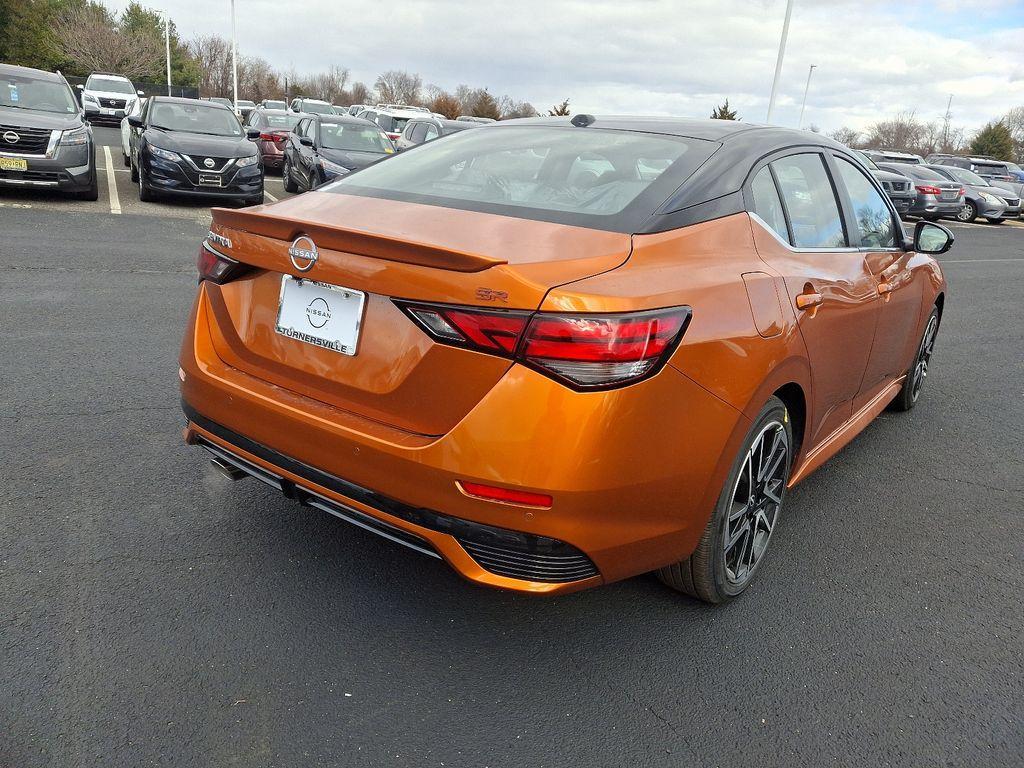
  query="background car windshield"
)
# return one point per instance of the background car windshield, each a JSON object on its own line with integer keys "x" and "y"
{"x": 281, "y": 121}
{"x": 990, "y": 169}
{"x": 924, "y": 173}
{"x": 318, "y": 109}
{"x": 964, "y": 176}
{"x": 109, "y": 84}
{"x": 392, "y": 124}
{"x": 195, "y": 118}
{"x": 354, "y": 138}
{"x": 32, "y": 93}
{"x": 552, "y": 169}
{"x": 275, "y": 105}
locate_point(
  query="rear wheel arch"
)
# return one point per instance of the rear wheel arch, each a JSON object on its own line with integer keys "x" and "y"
{"x": 793, "y": 397}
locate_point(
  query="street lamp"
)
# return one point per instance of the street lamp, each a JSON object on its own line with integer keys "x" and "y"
{"x": 778, "y": 61}
{"x": 167, "y": 46}
{"x": 234, "y": 57}
{"x": 806, "y": 88}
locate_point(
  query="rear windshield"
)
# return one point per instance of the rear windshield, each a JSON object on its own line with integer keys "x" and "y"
{"x": 602, "y": 179}
{"x": 319, "y": 109}
{"x": 281, "y": 121}
{"x": 990, "y": 169}
{"x": 109, "y": 84}
{"x": 25, "y": 92}
{"x": 353, "y": 138}
{"x": 392, "y": 124}
{"x": 275, "y": 105}
{"x": 926, "y": 174}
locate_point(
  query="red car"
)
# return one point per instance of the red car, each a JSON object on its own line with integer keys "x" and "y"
{"x": 274, "y": 126}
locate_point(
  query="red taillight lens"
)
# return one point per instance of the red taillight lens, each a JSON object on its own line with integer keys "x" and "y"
{"x": 275, "y": 137}
{"x": 928, "y": 189}
{"x": 582, "y": 350}
{"x": 216, "y": 267}
{"x": 505, "y": 495}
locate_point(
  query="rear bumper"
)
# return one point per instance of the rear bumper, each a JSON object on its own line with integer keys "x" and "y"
{"x": 633, "y": 473}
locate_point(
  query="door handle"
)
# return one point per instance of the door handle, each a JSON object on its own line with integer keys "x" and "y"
{"x": 808, "y": 300}
{"x": 884, "y": 288}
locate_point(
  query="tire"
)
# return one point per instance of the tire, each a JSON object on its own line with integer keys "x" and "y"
{"x": 127, "y": 160}
{"x": 931, "y": 217}
{"x": 968, "y": 213}
{"x": 92, "y": 192}
{"x": 715, "y": 572}
{"x": 145, "y": 194}
{"x": 918, "y": 372}
{"x": 995, "y": 221}
{"x": 286, "y": 175}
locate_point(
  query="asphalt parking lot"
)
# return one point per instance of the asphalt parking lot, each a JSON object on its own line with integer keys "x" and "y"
{"x": 155, "y": 614}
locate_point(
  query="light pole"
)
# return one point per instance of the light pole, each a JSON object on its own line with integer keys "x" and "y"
{"x": 234, "y": 57}
{"x": 806, "y": 89}
{"x": 778, "y": 61}
{"x": 167, "y": 46}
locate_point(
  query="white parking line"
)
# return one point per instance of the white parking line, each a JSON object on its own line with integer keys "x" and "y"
{"x": 267, "y": 194}
{"x": 115, "y": 201}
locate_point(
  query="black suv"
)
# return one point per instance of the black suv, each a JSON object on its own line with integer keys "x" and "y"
{"x": 192, "y": 147}
{"x": 45, "y": 142}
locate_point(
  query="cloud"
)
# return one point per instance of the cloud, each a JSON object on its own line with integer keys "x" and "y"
{"x": 658, "y": 56}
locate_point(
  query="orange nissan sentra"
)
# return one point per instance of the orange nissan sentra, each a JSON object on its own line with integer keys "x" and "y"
{"x": 555, "y": 353}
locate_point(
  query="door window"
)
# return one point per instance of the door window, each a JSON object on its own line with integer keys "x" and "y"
{"x": 419, "y": 132}
{"x": 810, "y": 201}
{"x": 874, "y": 219}
{"x": 431, "y": 132}
{"x": 767, "y": 204}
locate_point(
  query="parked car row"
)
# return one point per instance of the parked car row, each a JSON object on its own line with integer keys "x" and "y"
{"x": 963, "y": 187}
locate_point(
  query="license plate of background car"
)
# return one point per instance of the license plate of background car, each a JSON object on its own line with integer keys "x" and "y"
{"x": 13, "y": 164}
{"x": 320, "y": 314}
{"x": 207, "y": 180}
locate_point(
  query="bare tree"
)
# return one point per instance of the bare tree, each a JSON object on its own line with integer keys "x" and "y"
{"x": 903, "y": 131}
{"x": 88, "y": 36}
{"x": 328, "y": 85}
{"x": 1014, "y": 121}
{"x": 359, "y": 93}
{"x": 213, "y": 54}
{"x": 846, "y": 136}
{"x": 510, "y": 108}
{"x": 398, "y": 87}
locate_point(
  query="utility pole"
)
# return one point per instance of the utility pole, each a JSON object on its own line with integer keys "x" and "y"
{"x": 807, "y": 87}
{"x": 234, "y": 57}
{"x": 778, "y": 61}
{"x": 167, "y": 45}
{"x": 946, "y": 119}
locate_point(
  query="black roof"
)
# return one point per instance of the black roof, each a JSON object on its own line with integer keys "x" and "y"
{"x": 181, "y": 100}
{"x": 39, "y": 74}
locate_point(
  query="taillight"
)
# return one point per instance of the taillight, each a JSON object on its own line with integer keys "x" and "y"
{"x": 584, "y": 351}
{"x": 275, "y": 137}
{"x": 216, "y": 267}
{"x": 928, "y": 189}
{"x": 505, "y": 495}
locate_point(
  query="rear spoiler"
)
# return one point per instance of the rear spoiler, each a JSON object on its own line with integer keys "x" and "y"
{"x": 349, "y": 240}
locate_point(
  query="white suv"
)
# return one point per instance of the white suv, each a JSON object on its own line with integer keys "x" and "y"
{"x": 107, "y": 97}
{"x": 392, "y": 118}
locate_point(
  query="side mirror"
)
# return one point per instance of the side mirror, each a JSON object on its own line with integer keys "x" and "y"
{"x": 932, "y": 238}
{"x": 135, "y": 121}
{"x": 140, "y": 93}
{"x": 306, "y": 141}
{"x": 252, "y": 133}
{"x": 80, "y": 87}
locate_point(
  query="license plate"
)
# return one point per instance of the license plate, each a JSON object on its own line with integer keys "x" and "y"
{"x": 209, "y": 180}
{"x": 320, "y": 314}
{"x": 13, "y": 164}
{"x": 105, "y": 111}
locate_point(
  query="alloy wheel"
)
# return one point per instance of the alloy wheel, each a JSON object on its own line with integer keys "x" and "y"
{"x": 966, "y": 213}
{"x": 924, "y": 357}
{"x": 756, "y": 502}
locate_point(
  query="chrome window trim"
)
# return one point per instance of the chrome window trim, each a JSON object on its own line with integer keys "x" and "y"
{"x": 786, "y": 244}
{"x": 51, "y": 148}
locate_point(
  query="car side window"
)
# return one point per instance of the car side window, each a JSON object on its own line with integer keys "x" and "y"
{"x": 419, "y": 133}
{"x": 810, "y": 201}
{"x": 300, "y": 129}
{"x": 431, "y": 132}
{"x": 874, "y": 219}
{"x": 767, "y": 203}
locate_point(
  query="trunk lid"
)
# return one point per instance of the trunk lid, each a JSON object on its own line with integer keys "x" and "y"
{"x": 388, "y": 249}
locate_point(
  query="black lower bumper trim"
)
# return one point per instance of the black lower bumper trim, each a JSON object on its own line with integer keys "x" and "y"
{"x": 501, "y": 551}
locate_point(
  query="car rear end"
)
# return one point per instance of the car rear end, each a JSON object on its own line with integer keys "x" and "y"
{"x": 427, "y": 373}
{"x": 271, "y": 144}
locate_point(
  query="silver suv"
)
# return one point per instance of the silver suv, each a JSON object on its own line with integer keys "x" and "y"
{"x": 44, "y": 142}
{"x": 107, "y": 97}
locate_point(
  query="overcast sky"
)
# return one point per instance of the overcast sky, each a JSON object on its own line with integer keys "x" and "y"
{"x": 655, "y": 57}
